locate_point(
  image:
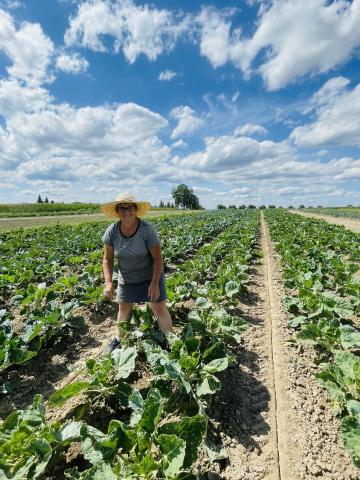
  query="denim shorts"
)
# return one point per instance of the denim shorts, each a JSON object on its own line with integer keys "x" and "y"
{"x": 138, "y": 292}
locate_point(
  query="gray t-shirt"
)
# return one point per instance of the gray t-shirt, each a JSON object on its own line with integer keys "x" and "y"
{"x": 134, "y": 258}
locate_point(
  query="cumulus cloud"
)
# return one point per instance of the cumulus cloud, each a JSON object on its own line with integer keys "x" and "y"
{"x": 72, "y": 63}
{"x": 188, "y": 121}
{"x": 167, "y": 75}
{"x": 28, "y": 48}
{"x": 215, "y": 35}
{"x": 249, "y": 129}
{"x": 231, "y": 153}
{"x": 337, "y": 110}
{"x": 297, "y": 39}
{"x": 136, "y": 29}
{"x": 103, "y": 140}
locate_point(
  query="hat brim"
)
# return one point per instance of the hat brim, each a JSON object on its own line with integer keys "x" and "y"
{"x": 108, "y": 209}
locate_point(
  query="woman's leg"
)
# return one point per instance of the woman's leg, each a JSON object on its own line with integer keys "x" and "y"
{"x": 162, "y": 315}
{"x": 124, "y": 311}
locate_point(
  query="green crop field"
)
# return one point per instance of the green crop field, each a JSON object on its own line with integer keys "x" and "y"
{"x": 47, "y": 209}
{"x": 154, "y": 408}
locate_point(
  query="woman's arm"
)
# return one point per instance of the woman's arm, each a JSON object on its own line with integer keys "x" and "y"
{"x": 158, "y": 267}
{"x": 108, "y": 265}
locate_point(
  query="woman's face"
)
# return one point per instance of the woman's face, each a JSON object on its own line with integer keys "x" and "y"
{"x": 126, "y": 210}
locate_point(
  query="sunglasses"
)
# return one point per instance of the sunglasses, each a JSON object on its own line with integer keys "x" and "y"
{"x": 121, "y": 209}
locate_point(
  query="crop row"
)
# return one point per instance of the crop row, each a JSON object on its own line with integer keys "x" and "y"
{"x": 48, "y": 273}
{"x": 320, "y": 264}
{"x": 153, "y": 399}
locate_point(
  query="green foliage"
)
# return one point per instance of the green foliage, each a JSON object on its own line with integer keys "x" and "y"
{"x": 185, "y": 197}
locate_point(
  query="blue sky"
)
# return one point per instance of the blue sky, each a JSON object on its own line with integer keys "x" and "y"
{"x": 245, "y": 102}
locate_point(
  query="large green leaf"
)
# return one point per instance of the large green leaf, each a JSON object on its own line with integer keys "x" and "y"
{"x": 217, "y": 365}
{"x": 190, "y": 429}
{"x": 61, "y": 396}
{"x": 208, "y": 386}
{"x": 123, "y": 361}
{"x": 173, "y": 449}
{"x": 152, "y": 411}
{"x": 351, "y": 436}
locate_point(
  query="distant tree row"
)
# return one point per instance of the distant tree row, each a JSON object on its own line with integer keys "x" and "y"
{"x": 262, "y": 207}
{"x": 242, "y": 207}
{"x": 40, "y": 200}
{"x": 166, "y": 205}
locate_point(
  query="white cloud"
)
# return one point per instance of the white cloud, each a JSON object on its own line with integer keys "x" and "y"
{"x": 215, "y": 35}
{"x": 249, "y": 129}
{"x": 71, "y": 63}
{"x": 97, "y": 141}
{"x": 297, "y": 39}
{"x": 188, "y": 122}
{"x": 235, "y": 97}
{"x": 179, "y": 144}
{"x": 337, "y": 112}
{"x": 233, "y": 153}
{"x": 167, "y": 75}
{"x": 135, "y": 29}
{"x": 29, "y": 49}
{"x": 12, "y": 4}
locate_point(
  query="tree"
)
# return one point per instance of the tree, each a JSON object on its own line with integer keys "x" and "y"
{"x": 161, "y": 205}
{"x": 39, "y": 199}
{"x": 221, "y": 206}
{"x": 271, "y": 206}
{"x": 301, "y": 206}
{"x": 251, "y": 206}
{"x": 185, "y": 197}
{"x": 232, "y": 206}
{"x": 242, "y": 207}
{"x": 262, "y": 207}
{"x": 46, "y": 200}
{"x": 290, "y": 207}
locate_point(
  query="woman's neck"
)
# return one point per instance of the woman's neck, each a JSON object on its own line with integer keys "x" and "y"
{"x": 129, "y": 224}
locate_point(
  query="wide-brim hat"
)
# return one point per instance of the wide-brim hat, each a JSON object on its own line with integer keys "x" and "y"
{"x": 109, "y": 208}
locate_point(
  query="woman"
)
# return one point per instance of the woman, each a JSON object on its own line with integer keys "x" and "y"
{"x": 136, "y": 245}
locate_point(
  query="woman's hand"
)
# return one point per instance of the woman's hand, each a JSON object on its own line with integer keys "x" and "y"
{"x": 109, "y": 290}
{"x": 154, "y": 291}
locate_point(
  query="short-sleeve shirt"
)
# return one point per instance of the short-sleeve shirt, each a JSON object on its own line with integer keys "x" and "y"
{"x": 134, "y": 258}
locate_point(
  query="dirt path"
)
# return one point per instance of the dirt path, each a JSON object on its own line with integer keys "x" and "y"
{"x": 249, "y": 415}
{"x": 348, "y": 223}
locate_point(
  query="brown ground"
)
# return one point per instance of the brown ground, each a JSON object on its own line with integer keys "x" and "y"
{"x": 348, "y": 223}
{"x": 273, "y": 419}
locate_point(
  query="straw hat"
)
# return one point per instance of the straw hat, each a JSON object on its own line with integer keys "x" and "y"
{"x": 109, "y": 208}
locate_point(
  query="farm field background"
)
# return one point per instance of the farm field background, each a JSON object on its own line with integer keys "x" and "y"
{"x": 348, "y": 212}
{"x": 10, "y": 223}
{"x": 261, "y": 374}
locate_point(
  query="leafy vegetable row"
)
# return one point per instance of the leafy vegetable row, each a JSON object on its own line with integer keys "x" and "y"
{"x": 47, "y": 307}
{"x": 157, "y": 428}
{"x": 320, "y": 268}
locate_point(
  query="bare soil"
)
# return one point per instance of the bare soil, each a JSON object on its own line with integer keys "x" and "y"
{"x": 348, "y": 223}
{"x": 60, "y": 362}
